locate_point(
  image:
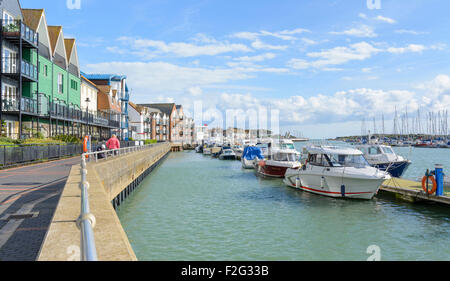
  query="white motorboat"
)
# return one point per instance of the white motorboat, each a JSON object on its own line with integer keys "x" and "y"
{"x": 384, "y": 158}
{"x": 281, "y": 157}
{"x": 337, "y": 172}
{"x": 227, "y": 154}
{"x": 238, "y": 150}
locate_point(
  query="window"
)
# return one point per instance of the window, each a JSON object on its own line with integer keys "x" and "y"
{"x": 7, "y": 19}
{"x": 388, "y": 150}
{"x": 374, "y": 150}
{"x": 73, "y": 84}
{"x": 45, "y": 70}
{"x": 60, "y": 83}
{"x": 349, "y": 161}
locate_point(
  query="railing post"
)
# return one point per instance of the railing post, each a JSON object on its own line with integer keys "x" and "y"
{"x": 86, "y": 221}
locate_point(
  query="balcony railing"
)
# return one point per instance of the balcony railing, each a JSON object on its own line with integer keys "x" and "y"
{"x": 29, "y": 105}
{"x": 29, "y": 70}
{"x": 11, "y": 66}
{"x": 17, "y": 29}
{"x": 10, "y": 104}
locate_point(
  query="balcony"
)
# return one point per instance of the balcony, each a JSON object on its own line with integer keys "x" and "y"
{"x": 16, "y": 30}
{"x": 29, "y": 106}
{"x": 10, "y": 104}
{"x": 27, "y": 70}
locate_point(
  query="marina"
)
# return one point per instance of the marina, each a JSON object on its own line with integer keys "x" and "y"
{"x": 224, "y": 212}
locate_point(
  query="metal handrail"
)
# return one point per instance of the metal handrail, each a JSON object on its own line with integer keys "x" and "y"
{"x": 86, "y": 221}
{"x": 116, "y": 152}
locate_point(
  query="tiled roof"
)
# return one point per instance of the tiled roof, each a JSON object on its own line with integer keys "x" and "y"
{"x": 53, "y": 34}
{"x": 104, "y": 88}
{"x": 89, "y": 82}
{"x": 104, "y": 102}
{"x": 165, "y": 108}
{"x": 70, "y": 44}
{"x": 32, "y": 17}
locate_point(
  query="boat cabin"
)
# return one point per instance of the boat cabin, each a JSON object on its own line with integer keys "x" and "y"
{"x": 336, "y": 157}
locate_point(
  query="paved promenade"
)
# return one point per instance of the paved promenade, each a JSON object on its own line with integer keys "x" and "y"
{"x": 28, "y": 199}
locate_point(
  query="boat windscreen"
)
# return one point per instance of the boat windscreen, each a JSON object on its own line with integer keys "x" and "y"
{"x": 388, "y": 150}
{"x": 357, "y": 161}
{"x": 289, "y": 157}
{"x": 287, "y": 146}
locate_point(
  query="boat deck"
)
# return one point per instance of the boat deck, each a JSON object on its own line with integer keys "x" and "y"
{"x": 412, "y": 191}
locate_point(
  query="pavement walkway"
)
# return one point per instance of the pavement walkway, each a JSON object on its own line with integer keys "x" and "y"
{"x": 28, "y": 199}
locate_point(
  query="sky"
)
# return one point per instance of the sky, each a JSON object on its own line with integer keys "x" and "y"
{"x": 324, "y": 65}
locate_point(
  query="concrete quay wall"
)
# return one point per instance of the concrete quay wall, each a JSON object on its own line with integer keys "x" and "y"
{"x": 110, "y": 182}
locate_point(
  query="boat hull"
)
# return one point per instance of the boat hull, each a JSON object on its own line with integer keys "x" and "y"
{"x": 227, "y": 157}
{"x": 247, "y": 164}
{"x": 272, "y": 171}
{"x": 396, "y": 169}
{"x": 334, "y": 186}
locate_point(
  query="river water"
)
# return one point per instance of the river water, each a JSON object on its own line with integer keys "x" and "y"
{"x": 193, "y": 207}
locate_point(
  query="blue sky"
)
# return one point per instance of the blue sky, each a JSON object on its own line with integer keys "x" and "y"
{"x": 325, "y": 65}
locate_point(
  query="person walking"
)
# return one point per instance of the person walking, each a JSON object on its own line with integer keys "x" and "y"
{"x": 113, "y": 143}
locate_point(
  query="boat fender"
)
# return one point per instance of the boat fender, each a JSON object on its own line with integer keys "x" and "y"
{"x": 343, "y": 190}
{"x": 425, "y": 181}
{"x": 298, "y": 182}
{"x": 262, "y": 163}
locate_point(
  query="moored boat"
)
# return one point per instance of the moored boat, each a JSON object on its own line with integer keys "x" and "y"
{"x": 337, "y": 172}
{"x": 281, "y": 157}
{"x": 384, "y": 158}
{"x": 250, "y": 154}
{"x": 227, "y": 154}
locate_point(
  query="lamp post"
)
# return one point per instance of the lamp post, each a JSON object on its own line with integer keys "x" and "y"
{"x": 87, "y": 115}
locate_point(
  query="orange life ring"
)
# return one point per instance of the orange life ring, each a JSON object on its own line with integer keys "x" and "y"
{"x": 424, "y": 184}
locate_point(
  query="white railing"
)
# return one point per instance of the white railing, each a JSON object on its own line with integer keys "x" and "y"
{"x": 86, "y": 221}
{"x": 107, "y": 154}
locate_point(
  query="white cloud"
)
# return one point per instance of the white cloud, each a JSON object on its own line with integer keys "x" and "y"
{"x": 336, "y": 56}
{"x": 155, "y": 78}
{"x": 195, "y": 91}
{"x": 257, "y": 58}
{"x": 414, "y": 48}
{"x": 362, "y": 15}
{"x": 412, "y": 32}
{"x": 385, "y": 19}
{"x": 308, "y": 41}
{"x": 283, "y": 35}
{"x": 182, "y": 49}
{"x": 361, "y": 31}
{"x": 258, "y": 44}
{"x": 151, "y": 48}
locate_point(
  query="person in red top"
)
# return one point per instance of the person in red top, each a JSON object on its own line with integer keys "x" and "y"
{"x": 113, "y": 143}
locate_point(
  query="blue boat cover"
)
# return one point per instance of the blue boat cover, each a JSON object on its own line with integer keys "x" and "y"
{"x": 251, "y": 152}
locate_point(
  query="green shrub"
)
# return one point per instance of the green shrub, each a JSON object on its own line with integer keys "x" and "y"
{"x": 67, "y": 139}
{"x": 147, "y": 142}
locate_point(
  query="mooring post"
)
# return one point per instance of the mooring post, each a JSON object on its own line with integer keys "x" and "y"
{"x": 439, "y": 173}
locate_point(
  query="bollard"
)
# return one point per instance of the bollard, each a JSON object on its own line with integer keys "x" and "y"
{"x": 439, "y": 174}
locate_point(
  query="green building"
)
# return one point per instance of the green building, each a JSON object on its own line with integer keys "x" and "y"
{"x": 40, "y": 79}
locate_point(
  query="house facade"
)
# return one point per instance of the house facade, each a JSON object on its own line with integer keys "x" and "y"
{"x": 113, "y": 100}
{"x": 165, "y": 117}
{"x": 19, "y": 74}
{"x": 40, "y": 79}
{"x": 141, "y": 122}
